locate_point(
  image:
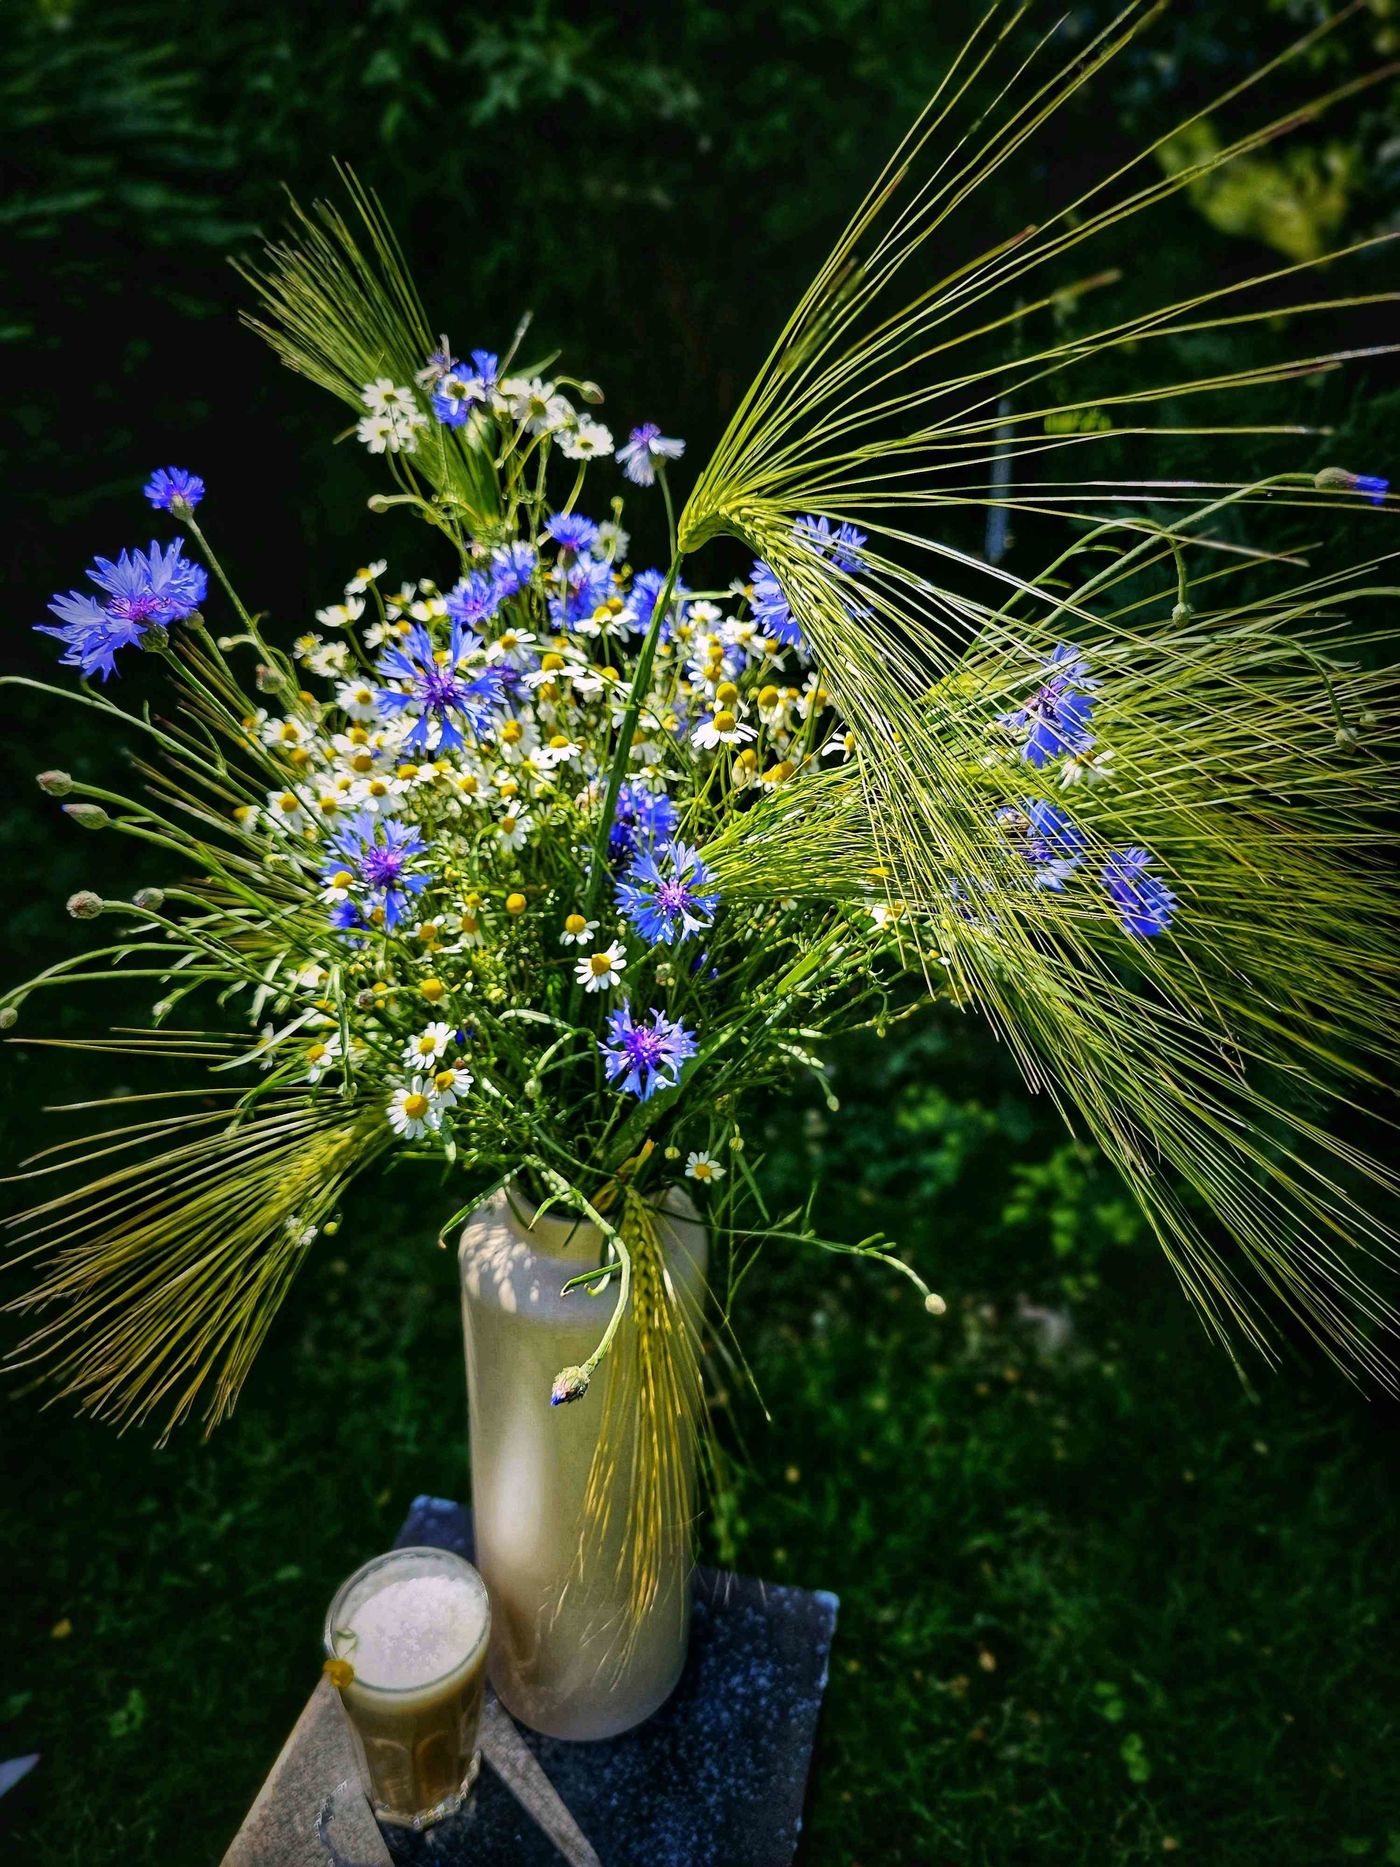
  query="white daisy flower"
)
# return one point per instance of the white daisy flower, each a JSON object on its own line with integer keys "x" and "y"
{"x": 341, "y": 615}
{"x": 321, "y": 1054}
{"x": 449, "y": 1086}
{"x": 357, "y": 698}
{"x": 722, "y": 728}
{"x": 380, "y": 395}
{"x": 363, "y": 578}
{"x": 610, "y": 541}
{"x": 597, "y": 971}
{"x": 288, "y": 811}
{"x": 514, "y": 830}
{"x": 577, "y": 931}
{"x": 330, "y": 660}
{"x": 513, "y": 646}
{"x": 586, "y": 440}
{"x": 428, "y": 1046}
{"x": 411, "y": 1112}
{"x": 703, "y": 1167}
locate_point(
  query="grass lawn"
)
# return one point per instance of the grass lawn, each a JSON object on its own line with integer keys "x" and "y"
{"x": 1098, "y": 1603}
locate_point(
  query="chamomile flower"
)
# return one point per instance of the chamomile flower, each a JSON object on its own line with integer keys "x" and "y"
{"x": 427, "y": 1046}
{"x": 725, "y": 727}
{"x": 599, "y": 971}
{"x": 585, "y": 440}
{"x": 577, "y": 931}
{"x": 412, "y": 1112}
{"x": 364, "y": 577}
{"x": 342, "y": 615}
{"x": 359, "y": 699}
{"x": 320, "y": 1054}
{"x": 450, "y": 1085}
{"x": 703, "y": 1167}
{"x": 513, "y": 830}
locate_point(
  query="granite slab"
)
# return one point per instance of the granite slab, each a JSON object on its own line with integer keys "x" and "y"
{"x": 716, "y": 1778}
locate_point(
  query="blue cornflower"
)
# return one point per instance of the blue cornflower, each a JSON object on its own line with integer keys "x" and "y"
{"x": 645, "y": 446}
{"x": 435, "y": 689}
{"x": 640, "y": 819}
{"x": 373, "y": 865}
{"x": 647, "y": 1055}
{"x": 139, "y": 589}
{"x": 571, "y": 531}
{"x": 172, "y": 489}
{"x": 487, "y": 366}
{"x": 512, "y": 567}
{"x": 667, "y": 893}
{"x": 151, "y": 586}
{"x": 1056, "y": 718}
{"x": 771, "y": 608}
{"x": 90, "y": 636}
{"x": 1145, "y": 905}
{"x": 842, "y": 546}
{"x": 643, "y": 597}
{"x": 1375, "y": 489}
{"x": 582, "y": 587}
{"x": 473, "y": 599}
{"x": 1047, "y": 837}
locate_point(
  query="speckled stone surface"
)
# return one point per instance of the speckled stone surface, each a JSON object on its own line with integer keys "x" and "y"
{"x": 716, "y": 1778}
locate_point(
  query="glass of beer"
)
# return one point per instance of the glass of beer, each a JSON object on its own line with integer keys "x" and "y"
{"x": 406, "y": 1645}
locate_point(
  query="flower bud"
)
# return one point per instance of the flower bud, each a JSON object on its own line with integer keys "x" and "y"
{"x": 569, "y": 1384}
{"x": 935, "y": 1305}
{"x": 9, "y": 1017}
{"x": 85, "y": 905}
{"x": 268, "y": 680}
{"x": 149, "y": 900}
{"x": 590, "y": 392}
{"x": 155, "y": 638}
{"x": 87, "y": 816}
{"x": 56, "y": 783}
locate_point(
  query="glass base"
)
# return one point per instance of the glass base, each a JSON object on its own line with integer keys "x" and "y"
{"x": 425, "y": 1818}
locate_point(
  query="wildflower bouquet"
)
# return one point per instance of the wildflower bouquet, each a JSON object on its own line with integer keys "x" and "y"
{"x": 545, "y": 863}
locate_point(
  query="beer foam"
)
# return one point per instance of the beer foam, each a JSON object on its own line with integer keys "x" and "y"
{"x": 413, "y": 1631}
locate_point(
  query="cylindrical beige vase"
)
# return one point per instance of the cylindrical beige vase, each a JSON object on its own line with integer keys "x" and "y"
{"x": 567, "y": 1656}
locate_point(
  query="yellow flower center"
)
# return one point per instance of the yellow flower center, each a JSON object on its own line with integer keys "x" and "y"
{"x": 600, "y": 964}
{"x": 509, "y": 639}
{"x": 558, "y": 741}
{"x": 469, "y": 925}
{"x": 362, "y": 761}
{"x": 703, "y": 1170}
{"x": 515, "y": 904}
{"x": 507, "y": 826}
{"x": 442, "y": 656}
{"x": 357, "y": 735}
{"x": 378, "y": 788}
{"x": 768, "y": 696}
{"x": 726, "y": 692}
{"x": 287, "y": 802}
{"x": 467, "y": 783}
{"x": 432, "y": 990}
{"x": 408, "y": 771}
{"x": 551, "y": 663}
{"x": 298, "y": 755}
{"x": 342, "y": 878}
{"x": 509, "y": 788}
{"x": 363, "y": 696}
{"x": 444, "y": 1079}
{"x": 415, "y": 1107}
{"x": 575, "y": 924}
{"x": 724, "y": 722}
{"x": 315, "y": 1052}
{"x": 512, "y": 732}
